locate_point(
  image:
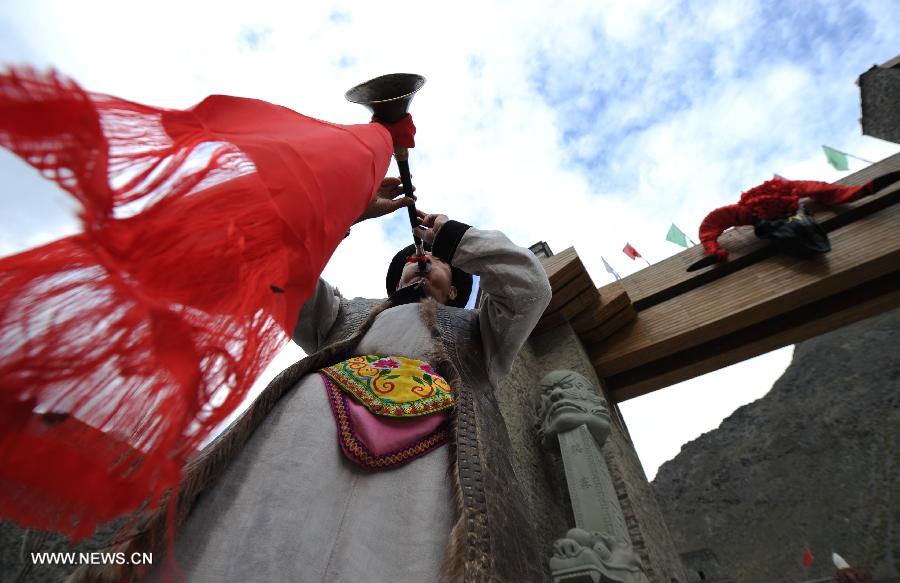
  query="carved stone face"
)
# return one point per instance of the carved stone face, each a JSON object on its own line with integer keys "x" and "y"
{"x": 610, "y": 555}
{"x": 566, "y": 400}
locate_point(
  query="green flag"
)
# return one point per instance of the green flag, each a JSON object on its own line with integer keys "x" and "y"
{"x": 676, "y": 236}
{"x": 836, "y": 158}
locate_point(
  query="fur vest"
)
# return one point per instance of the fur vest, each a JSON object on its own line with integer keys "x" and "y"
{"x": 492, "y": 538}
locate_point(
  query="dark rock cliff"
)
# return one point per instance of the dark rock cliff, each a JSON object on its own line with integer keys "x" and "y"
{"x": 814, "y": 462}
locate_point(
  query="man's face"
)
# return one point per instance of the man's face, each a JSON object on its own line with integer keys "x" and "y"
{"x": 567, "y": 400}
{"x": 437, "y": 283}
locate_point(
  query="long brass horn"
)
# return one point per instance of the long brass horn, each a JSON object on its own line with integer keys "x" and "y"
{"x": 388, "y": 98}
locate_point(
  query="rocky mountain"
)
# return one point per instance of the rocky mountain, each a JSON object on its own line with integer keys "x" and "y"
{"x": 812, "y": 463}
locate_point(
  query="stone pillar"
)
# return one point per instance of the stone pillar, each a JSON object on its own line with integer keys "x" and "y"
{"x": 542, "y": 475}
{"x": 591, "y": 491}
{"x": 572, "y": 417}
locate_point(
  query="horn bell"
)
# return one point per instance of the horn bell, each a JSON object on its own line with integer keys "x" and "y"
{"x": 388, "y": 96}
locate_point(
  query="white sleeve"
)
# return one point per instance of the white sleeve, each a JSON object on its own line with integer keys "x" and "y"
{"x": 516, "y": 290}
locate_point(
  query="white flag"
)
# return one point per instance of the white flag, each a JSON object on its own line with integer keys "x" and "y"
{"x": 839, "y": 561}
{"x": 609, "y": 269}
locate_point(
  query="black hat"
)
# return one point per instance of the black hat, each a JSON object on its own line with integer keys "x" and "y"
{"x": 798, "y": 234}
{"x": 461, "y": 280}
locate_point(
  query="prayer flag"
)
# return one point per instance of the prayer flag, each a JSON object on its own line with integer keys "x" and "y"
{"x": 609, "y": 269}
{"x": 807, "y": 557}
{"x": 677, "y": 236}
{"x": 839, "y": 561}
{"x": 836, "y": 158}
{"x": 631, "y": 251}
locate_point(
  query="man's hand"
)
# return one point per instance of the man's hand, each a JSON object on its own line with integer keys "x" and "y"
{"x": 386, "y": 201}
{"x": 429, "y": 226}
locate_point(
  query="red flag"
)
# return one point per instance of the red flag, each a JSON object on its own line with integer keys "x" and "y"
{"x": 807, "y": 557}
{"x": 631, "y": 251}
{"x": 204, "y": 231}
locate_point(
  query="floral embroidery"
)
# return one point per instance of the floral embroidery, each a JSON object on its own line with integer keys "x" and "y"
{"x": 356, "y": 450}
{"x": 394, "y": 386}
{"x": 386, "y": 363}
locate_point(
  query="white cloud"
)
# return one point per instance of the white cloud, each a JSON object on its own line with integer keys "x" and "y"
{"x": 578, "y": 123}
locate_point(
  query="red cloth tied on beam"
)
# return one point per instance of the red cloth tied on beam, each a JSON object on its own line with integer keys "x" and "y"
{"x": 204, "y": 232}
{"x": 770, "y": 200}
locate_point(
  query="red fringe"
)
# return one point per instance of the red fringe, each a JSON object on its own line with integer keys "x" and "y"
{"x": 770, "y": 200}
{"x": 123, "y": 347}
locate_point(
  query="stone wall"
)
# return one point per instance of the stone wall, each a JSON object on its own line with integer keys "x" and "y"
{"x": 543, "y": 483}
{"x": 814, "y": 463}
{"x": 702, "y": 566}
{"x": 880, "y": 95}
{"x": 543, "y": 480}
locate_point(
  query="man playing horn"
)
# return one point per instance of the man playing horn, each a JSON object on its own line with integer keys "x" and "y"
{"x": 348, "y": 478}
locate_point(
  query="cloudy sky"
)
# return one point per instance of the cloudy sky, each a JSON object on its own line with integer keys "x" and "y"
{"x": 586, "y": 123}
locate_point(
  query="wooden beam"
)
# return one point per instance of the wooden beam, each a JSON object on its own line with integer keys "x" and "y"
{"x": 857, "y": 303}
{"x": 586, "y": 308}
{"x": 562, "y": 267}
{"x": 862, "y": 251}
{"x": 581, "y": 303}
{"x": 615, "y": 322}
{"x": 573, "y": 290}
{"x": 568, "y": 311}
{"x": 595, "y": 316}
{"x": 669, "y": 278}
{"x": 578, "y": 286}
{"x": 686, "y": 324}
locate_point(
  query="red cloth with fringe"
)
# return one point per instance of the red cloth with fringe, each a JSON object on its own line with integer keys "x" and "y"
{"x": 770, "y": 200}
{"x": 204, "y": 231}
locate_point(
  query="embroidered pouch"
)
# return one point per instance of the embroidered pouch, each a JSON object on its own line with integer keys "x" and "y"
{"x": 380, "y": 442}
{"x": 393, "y": 386}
